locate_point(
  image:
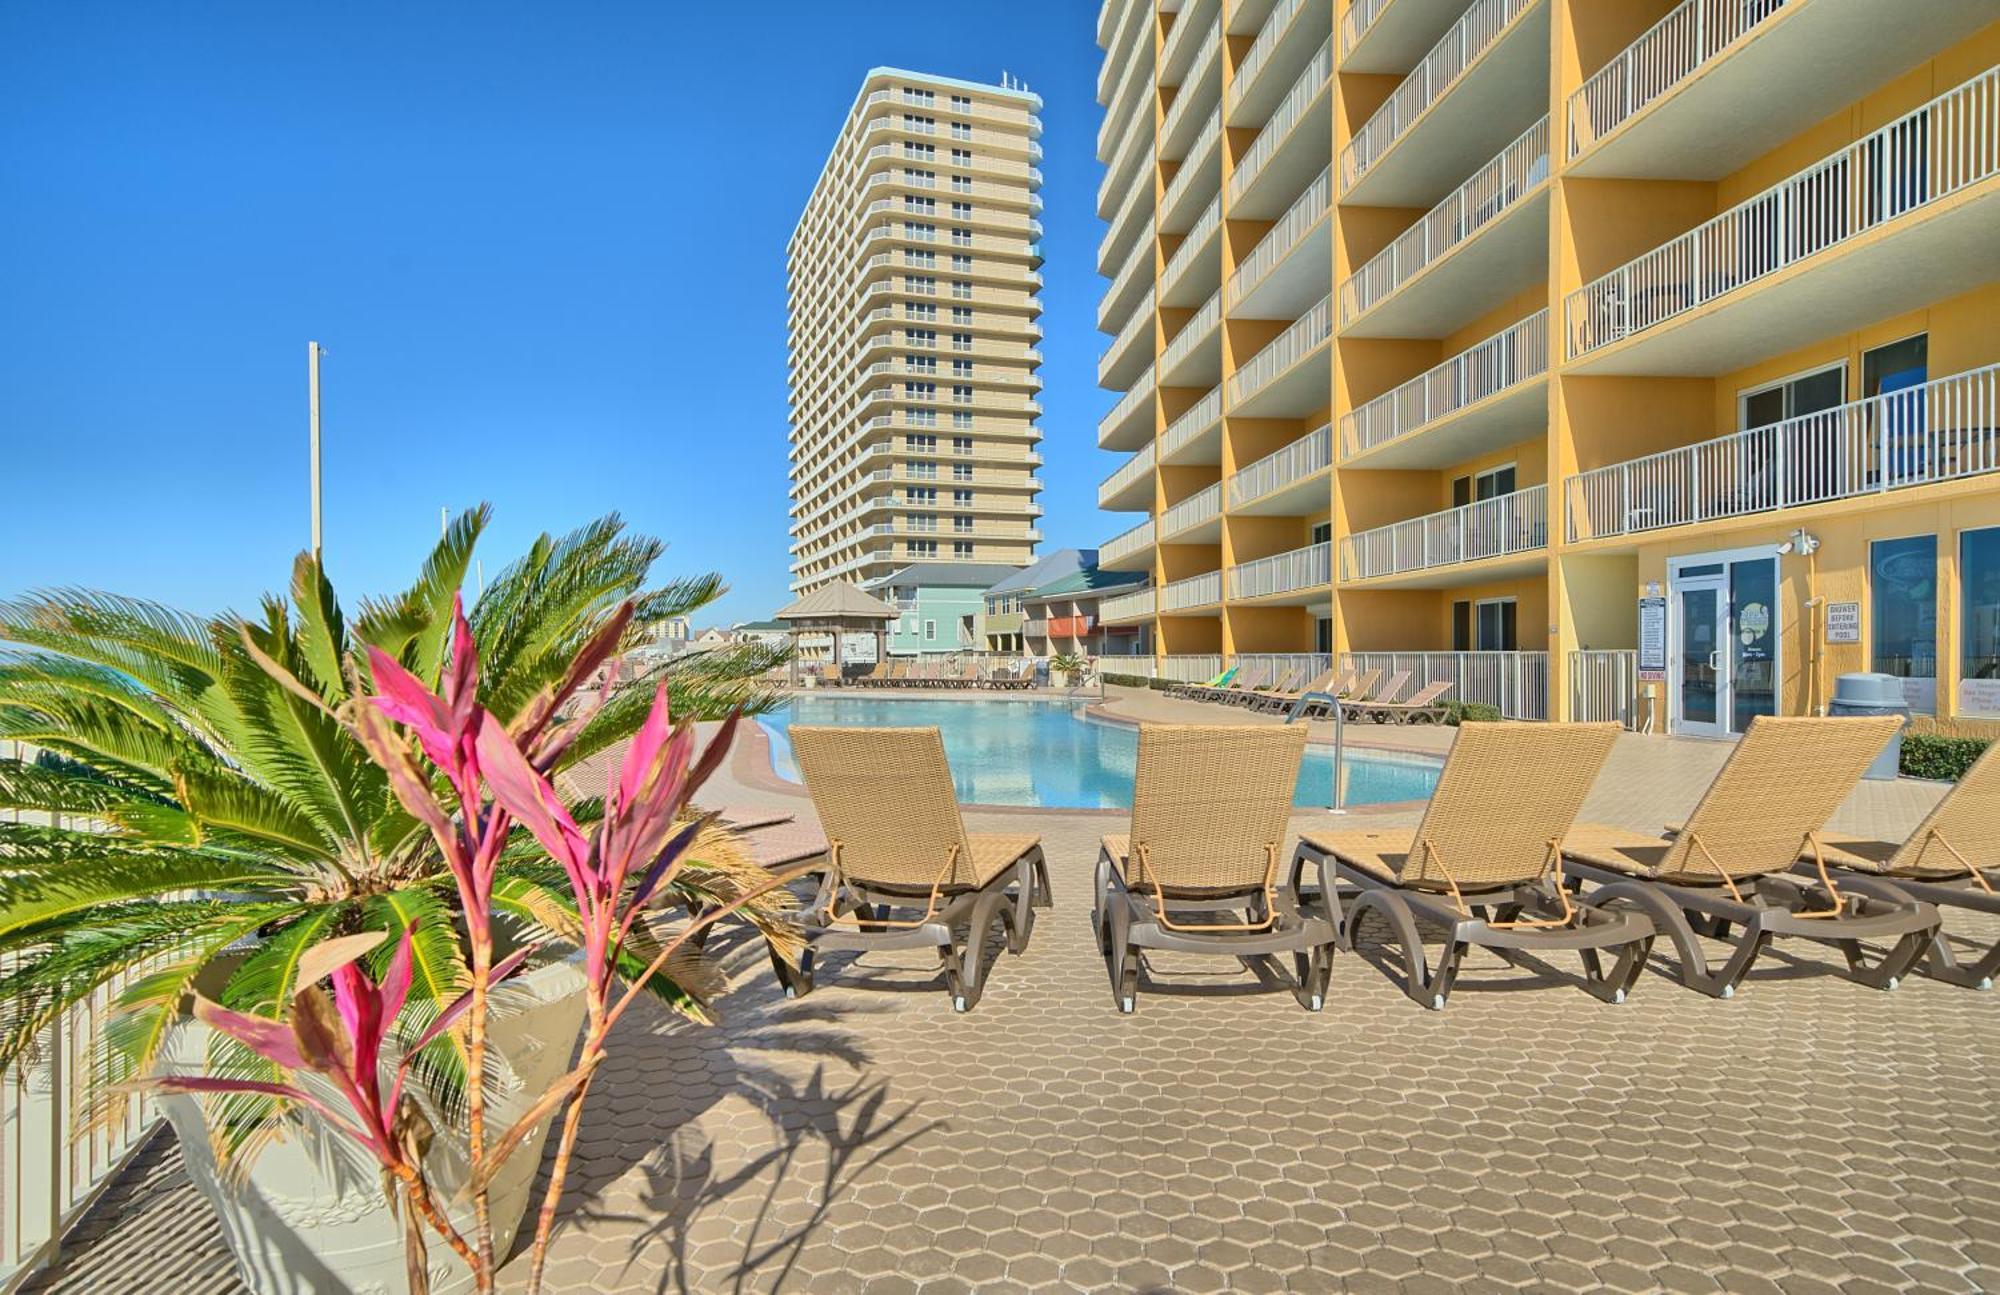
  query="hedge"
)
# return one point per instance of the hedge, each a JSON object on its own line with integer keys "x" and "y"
{"x": 1943, "y": 759}
{"x": 1139, "y": 681}
{"x": 1469, "y": 712}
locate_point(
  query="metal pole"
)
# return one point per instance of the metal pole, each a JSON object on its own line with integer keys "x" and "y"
{"x": 313, "y": 352}
{"x": 1339, "y": 805}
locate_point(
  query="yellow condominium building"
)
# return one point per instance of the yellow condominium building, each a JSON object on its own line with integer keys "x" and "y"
{"x": 914, "y": 280}
{"x": 1603, "y": 358}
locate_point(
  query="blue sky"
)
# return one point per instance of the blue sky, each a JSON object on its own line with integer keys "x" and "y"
{"x": 544, "y": 245}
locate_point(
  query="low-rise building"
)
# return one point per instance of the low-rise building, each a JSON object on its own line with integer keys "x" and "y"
{"x": 941, "y": 604}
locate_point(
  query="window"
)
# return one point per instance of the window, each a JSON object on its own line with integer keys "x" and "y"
{"x": 921, "y": 495}
{"x": 961, "y": 445}
{"x": 921, "y": 469}
{"x": 960, "y": 394}
{"x": 920, "y": 390}
{"x": 1322, "y": 533}
{"x": 961, "y": 263}
{"x": 922, "y": 152}
{"x": 959, "y": 368}
{"x": 919, "y": 257}
{"x": 1794, "y": 397}
{"x": 961, "y": 237}
{"x": 1493, "y": 625}
{"x": 920, "y": 363}
{"x": 960, "y": 314}
{"x": 1979, "y": 626}
{"x": 930, "y": 627}
{"x": 961, "y": 157}
{"x": 919, "y": 231}
{"x": 920, "y": 417}
{"x": 961, "y": 498}
{"x": 1902, "y": 591}
{"x": 959, "y": 471}
{"x": 1489, "y": 484}
{"x": 960, "y": 210}
{"x": 922, "y": 444}
{"x": 961, "y": 418}
{"x": 920, "y": 336}
{"x": 919, "y": 522}
{"x": 961, "y": 548}
{"x": 919, "y": 125}
{"x": 962, "y": 289}
{"x": 961, "y": 341}
{"x": 911, "y": 202}
{"x": 924, "y": 285}
{"x": 1323, "y": 634}
{"x": 921, "y": 98}
{"x": 919, "y": 179}
{"x": 919, "y": 310}
{"x": 920, "y": 548}
{"x": 959, "y": 129}
{"x": 961, "y": 103}
{"x": 962, "y": 524}
{"x": 961, "y": 184}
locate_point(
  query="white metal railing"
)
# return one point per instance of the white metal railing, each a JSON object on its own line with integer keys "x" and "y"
{"x": 1308, "y": 665}
{"x": 1282, "y": 573}
{"x": 1122, "y": 157}
{"x": 1490, "y": 528}
{"x": 1428, "y": 82}
{"x": 1516, "y": 682}
{"x": 1127, "y": 607}
{"x": 1276, "y": 23}
{"x": 1196, "y": 591}
{"x": 1184, "y": 101}
{"x": 1668, "y": 53}
{"x": 1202, "y": 506}
{"x": 1128, "y": 404}
{"x": 1139, "y": 259}
{"x": 1190, "y": 167}
{"x": 1603, "y": 685}
{"x": 1178, "y": 35}
{"x": 1140, "y": 465}
{"x": 1193, "y": 333}
{"x": 1113, "y": 236}
{"x": 1513, "y": 355}
{"x": 1124, "y": 546}
{"x": 1354, "y": 24}
{"x": 1318, "y": 70}
{"x": 1140, "y": 322}
{"x": 1190, "y": 668}
{"x": 1194, "y": 420}
{"x": 1286, "y": 349}
{"x": 1939, "y": 431}
{"x": 1949, "y": 143}
{"x": 1311, "y": 453}
{"x": 1283, "y": 236}
{"x": 1197, "y": 237}
{"x": 1493, "y": 189}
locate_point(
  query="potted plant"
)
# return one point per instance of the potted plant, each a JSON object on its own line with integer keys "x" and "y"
{"x": 1068, "y": 665}
{"x": 218, "y": 817}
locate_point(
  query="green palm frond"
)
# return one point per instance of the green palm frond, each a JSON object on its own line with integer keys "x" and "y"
{"x": 415, "y": 625}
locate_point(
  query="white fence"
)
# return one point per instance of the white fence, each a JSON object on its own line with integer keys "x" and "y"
{"x": 1309, "y": 665}
{"x": 1515, "y": 523}
{"x": 1937, "y": 431}
{"x": 1275, "y": 25}
{"x": 1493, "y": 188}
{"x": 1354, "y": 24}
{"x": 1690, "y": 35}
{"x": 1286, "y": 349}
{"x": 1949, "y": 143}
{"x": 1516, "y": 682}
{"x": 1309, "y": 568}
{"x": 1202, "y": 506}
{"x": 1309, "y": 454}
{"x": 1127, "y": 608}
{"x": 1513, "y": 355}
{"x": 1604, "y": 685}
{"x": 1289, "y": 111}
{"x": 1282, "y": 237}
{"x": 1196, "y": 591}
{"x": 1126, "y": 544}
{"x": 1189, "y": 669}
{"x": 1447, "y": 60}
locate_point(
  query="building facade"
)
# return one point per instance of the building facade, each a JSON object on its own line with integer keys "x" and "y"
{"x": 1605, "y": 358}
{"x": 914, "y": 288}
{"x": 942, "y": 606}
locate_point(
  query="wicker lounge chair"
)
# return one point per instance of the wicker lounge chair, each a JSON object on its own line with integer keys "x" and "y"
{"x": 1352, "y": 708}
{"x": 1485, "y": 863}
{"x": 896, "y": 845}
{"x": 1209, "y": 814}
{"x": 1952, "y": 861}
{"x": 1730, "y": 864}
{"x": 1421, "y": 708}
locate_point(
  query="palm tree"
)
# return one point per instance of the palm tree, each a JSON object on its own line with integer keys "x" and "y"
{"x": 201, "y": 819}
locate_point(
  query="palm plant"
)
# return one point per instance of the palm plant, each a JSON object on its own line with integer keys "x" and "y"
{"x": 1067, "y": 664}
{"x": 205, "y": 818}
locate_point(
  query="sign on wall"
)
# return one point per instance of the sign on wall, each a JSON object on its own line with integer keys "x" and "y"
{"x": 1843, "y": 622}
{"x": 1652, "y": 638}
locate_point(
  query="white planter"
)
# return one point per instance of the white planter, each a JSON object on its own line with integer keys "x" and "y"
{"x": 309, "y": 1217}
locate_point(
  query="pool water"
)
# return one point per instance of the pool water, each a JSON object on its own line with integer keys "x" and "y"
{"x": 1047, "y": 753}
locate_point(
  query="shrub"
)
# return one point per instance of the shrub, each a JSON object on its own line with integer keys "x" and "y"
{"x": 1470, "y": 712}
{"x": 1137, "y": 681}
{"x": 1944, "y": 759}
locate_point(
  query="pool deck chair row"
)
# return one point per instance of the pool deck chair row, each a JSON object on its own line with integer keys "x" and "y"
{"x": 901, "y": 870}
{"x": 1199, "y": 869}
{"x": 1485, "y": 864}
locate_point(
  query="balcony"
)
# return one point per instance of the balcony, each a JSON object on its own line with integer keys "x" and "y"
{"x": 1195, "y": 268}
{"x": 1130, "y": 551}
{"x": 1195, "y": 99}
{"x": 1004, "y": 622}
{"x": 1125, "y": 226}
{"x": 1277, "y": 382}
{"x": 1290, "y": 149}
{"x": 1947, "y": 429}
{"x": 1393, "y": 35}
{"x": 1133, "y": 277}
{"x": 1491, "y": 394}
{"x": 1127, "y": 609}
{"x": 1036, "y": 628}
{"x": 1196, "y": 435}
{"x": 1130, "y": 351}
{"x": 1191, "y": 594}
{"x": 1483, "y": 83}
{"x": 1291, "y": 263}
{"x": 1194, "y": 520}
{"x": 1126, "y": 163}
{"x": 1290, "y": 33}
{"x": 1197, "y": 180}
{"x": 1500, "y": 527}
{"x": 1288, "y": 483}
{"x": 1717, "y": 84}
{"x": 1130, "y": 422}
{"x": 1194, "y": 357}
{"x": 1301, "y": 575}
{"x": 1485, "y": 243}
{"x": 1130, "y": 486}
{"x": 1900, "y": 218}
{"x": 1180, "y": 47}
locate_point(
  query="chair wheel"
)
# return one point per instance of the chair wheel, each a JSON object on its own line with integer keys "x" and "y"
{"x": 958, "y": 1003}
{"x": 1618, "y": 996}
{"x": 1729, "y": 991}
{"x": 1128, "y": 1006}
{"x": 1437, "y": 1002}
{"x": 1317, "y": 1003}
{"x": 1893, "y": 982}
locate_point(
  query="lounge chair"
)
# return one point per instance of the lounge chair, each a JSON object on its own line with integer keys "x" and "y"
{"x": 1352, "y": 708}
{"x": 1248, "y": 678}
{"x": 1485, "y": 863}
{"x": 1730, "y": 864}
{"x": 1210, "y": 809}
{"x": 895, "y": 843}
{"x": 1421, "y": 708}
{"x": 1274, "y": 699}
{"x": 1313, "y": 703}
{"x": 1285, "y": 683}
{"x": 1951, "y": 860}
{"x": 1220, "y": 680}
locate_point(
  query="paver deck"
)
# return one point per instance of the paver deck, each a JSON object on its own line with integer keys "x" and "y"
{"x": 1809, "y": 1135}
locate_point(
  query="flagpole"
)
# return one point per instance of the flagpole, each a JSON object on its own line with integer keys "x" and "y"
{"x": 313, "y": 352}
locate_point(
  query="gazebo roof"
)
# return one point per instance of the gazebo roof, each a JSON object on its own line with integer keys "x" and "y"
{"x": 839, "y": 601}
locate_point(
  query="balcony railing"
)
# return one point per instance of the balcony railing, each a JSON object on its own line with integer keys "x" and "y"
{"x": 1140, "y": 322}
{"x": 1202, "y": 506}
{"x": 1140, "y": 194}
{"x": 1493, "y": 189}
{"x": 1138, "y": 262}
{"x": 1290, "y": 110}
{"x": 1128, "y": 404}
{"x": 1193, "y": 333}
{"x": 1309, "y": 454}
{"x": 1193, "y": 165}
{"x": 1690, "y": 35}
{"x": 1940, "y": 431}
{"x": 1196, "y": 591}
{"x": 1282, "y": 573}
{"x": 1127, "y": 474}
{"x": 1286, "y": 349}
{"x": 1516, "y": 682}
{"x": 1282, "y": 237}
{"x": 1137, "y": 539}
{"x": 1276, "y": 23}
{"x": 1514, "y": 355}
{"x": 1951, "y": 142}
{"x": 1427, "y": 83}
{"x": 1190, "y": 669}
{"x": 1491, "y": 528}
{"x": 1126, "y": 608}
{"x": 1197, "y": 236}
{"x": 1603, "y": 685}
{"x": 1354, "y": 24}
{"x": 1183, "y": 104}
{"x": 1196, "y": 419}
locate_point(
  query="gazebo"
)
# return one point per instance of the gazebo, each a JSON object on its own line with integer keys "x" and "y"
{"x": 837, "y": 609}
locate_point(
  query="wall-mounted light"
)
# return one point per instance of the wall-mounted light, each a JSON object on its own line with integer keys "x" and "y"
{"x": 1802, "y": 542}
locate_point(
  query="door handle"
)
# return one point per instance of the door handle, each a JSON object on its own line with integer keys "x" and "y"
{"x": 1715, "y": 659}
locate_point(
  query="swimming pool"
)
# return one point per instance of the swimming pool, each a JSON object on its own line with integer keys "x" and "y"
{"x": 1046, "y": 753}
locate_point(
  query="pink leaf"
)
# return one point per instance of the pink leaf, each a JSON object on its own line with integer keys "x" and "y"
{"x": 645, "y": 746}
{"x": 403, "y": 698}
{"x": 461, "y": 681}
{"x": 444, "y": 1020}
{"x": 272, "y": 1040}
{"x": 530, "y": 798}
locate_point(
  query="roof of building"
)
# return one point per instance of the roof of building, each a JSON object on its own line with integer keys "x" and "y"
{"x": 1088, "y": 580}
{"x": 951, "y": 575}
{"x": 836, "y": 600}
{"x": 1056, "y": 565}
{"x": 761, "y": 627}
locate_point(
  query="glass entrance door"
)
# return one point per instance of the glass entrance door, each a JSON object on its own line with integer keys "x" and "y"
{"x": 1700, "y": 666}
{"x": 1723, "y": 662}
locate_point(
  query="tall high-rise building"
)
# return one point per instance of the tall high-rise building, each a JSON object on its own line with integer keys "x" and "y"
{"x": 1602, "y": 358}
{"x": 914, "y": 282}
